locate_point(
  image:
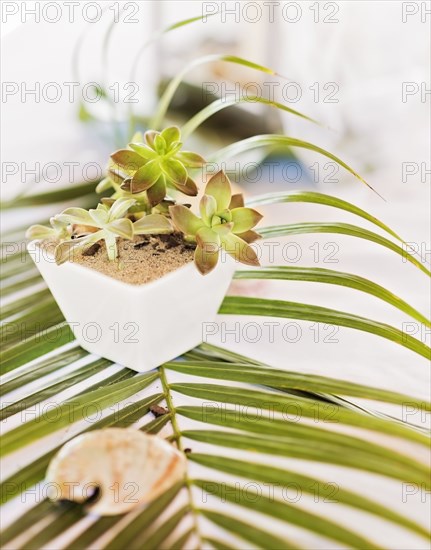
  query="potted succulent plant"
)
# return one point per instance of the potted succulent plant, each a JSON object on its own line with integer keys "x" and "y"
{"x": 140, "y": 265}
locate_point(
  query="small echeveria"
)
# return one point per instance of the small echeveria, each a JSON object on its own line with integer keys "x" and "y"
{"x": 224, "y": 223}
{"x": 106, "y": 222}
{"x": 154, "y": 164}
{"x": 102, "y": 223}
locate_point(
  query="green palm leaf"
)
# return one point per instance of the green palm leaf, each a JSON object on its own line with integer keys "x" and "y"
{"x": 100, "y": 398}
{"x": 273, "y": 440}
{"x": 34, "y": 346}
{"x": 341, "y": 229}
{"x": 223, "y": 103}
{"x": 243, "y": 305}
{"x": 268, "y": 474}
{"x": 296, "y": 383}
{"x": 318, "y": 198}
{"x": 173, "y": 85}
{"x": 84, "y": 191}
{"x": 248, "y": 532}
{"x": 332, "y": 277}
{"x": 295, "y": 406}
{"x": 288, "y": 512}
{"x": 54, "y": 387}
{"x": 270, "y": 140}
{"x": 26, "y": 375}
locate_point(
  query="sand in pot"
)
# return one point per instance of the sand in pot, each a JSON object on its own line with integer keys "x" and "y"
{"x": 140, "y": 261}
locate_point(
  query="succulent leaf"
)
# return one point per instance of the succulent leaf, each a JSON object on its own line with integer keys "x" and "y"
{"x": 127, "y": 160}
{"x": 150, "y": 136}
{"x": 104, "y": 185}
{"x": 249, "y": 236}
{"x": 59, "y": 227}
{"x": 174, "y": 148}
{"x": 116, "y": 177}
{"x": 99, "y": 217}
{"x": 58, "y": 230}
{"x": 219, "y": 187}
{"x": 119, "y": 208}
{"x": 207, "y": 250}
{"x": 111, "y": 245}
{"x": 143, "y": 151}
{"x": 160, "y": 145}
{"x": 225, "y": 216}
{"x": 64, "y": 250}
{"x": 122, "y": 227}
{"x": 190, "y": 188}
{"x": 184, "y": 220}
{"x": 146, "y": 176}
{"x": 208, "y": 239}
{"x": 191, "y": 160}
{"x": 239, "y": 249}
{"x": 170, "y": 135}
{"x": 205, "y": 260}
{"x": 208, "y": 208}
{"x": 175, "y": 171}
{"x": 244, "y": 219}
{"x": 223, "y": 228}
{"x": 157, "y": 192}
{"x": 163, "y": 207}
{"x": 76, "y": 215}
{"x": 127, "y": 185}
{"x": 152, "y": 224}
{"x": 237, "y": 201}
{"x": 39, "y": 232}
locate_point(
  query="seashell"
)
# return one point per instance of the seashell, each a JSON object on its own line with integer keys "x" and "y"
{"x": 122, "y": 468}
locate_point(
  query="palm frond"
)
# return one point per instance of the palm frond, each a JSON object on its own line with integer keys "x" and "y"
{"x": 341, "y": 229}
{"x": 319, "y": 198}
{"x": 332, "y": 277}
{"x": 174, "y": 84}
{"x": 211, "y": 395}
{"x": 85, "y": 191}
{"x": 271, "y": 140}
{"x": 223, "y": 103}
{"x": 243, "y": 305}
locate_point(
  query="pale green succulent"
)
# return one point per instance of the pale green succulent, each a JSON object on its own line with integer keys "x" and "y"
{"x": 114, "y": 180}
{"x": 58, "y": 231}
{"x": 151, "y": 165}
{"x": 224, "y": 223}
{"x": 106, "y": 223}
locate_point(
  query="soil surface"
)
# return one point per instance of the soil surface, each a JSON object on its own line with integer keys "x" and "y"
{"x": 140, "y": 261}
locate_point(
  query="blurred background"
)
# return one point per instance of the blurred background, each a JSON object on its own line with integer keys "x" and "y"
{"x": 360, "y": 68}
{"x": 75, "y": 83}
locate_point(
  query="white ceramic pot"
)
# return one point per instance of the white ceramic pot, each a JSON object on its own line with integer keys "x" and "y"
{"x": 137, "y": 326}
